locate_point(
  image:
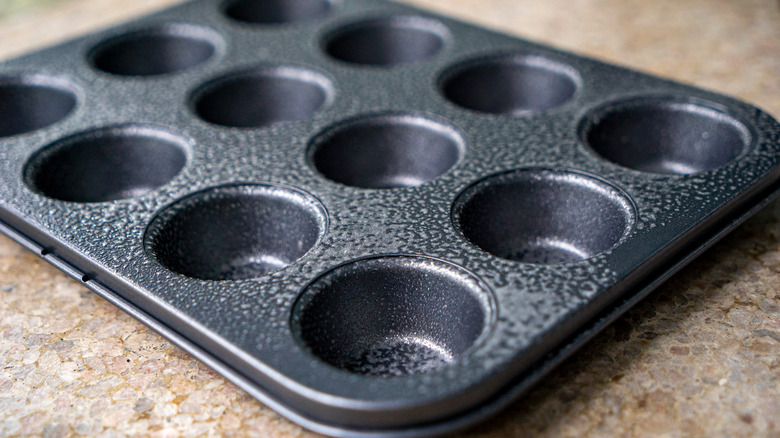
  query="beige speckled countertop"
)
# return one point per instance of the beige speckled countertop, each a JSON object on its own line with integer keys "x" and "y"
{"x": 700, "y": 357}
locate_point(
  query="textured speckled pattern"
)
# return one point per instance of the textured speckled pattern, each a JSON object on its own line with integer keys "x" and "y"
{"x": 762, "y": 331}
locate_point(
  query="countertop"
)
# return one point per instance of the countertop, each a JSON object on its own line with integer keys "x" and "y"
{"x": 700, "y": 357}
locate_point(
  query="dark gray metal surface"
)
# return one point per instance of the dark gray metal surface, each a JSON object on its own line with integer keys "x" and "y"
{"x": 377, "y": 220}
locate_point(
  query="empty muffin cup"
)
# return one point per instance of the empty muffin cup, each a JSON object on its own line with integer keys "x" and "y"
{"x": 107, "y": 164}
{"x": 31, "y": 103}
{"x": 235, "y": 232}
{"x": 665, "y": 135}
{"x": 385, "y": 151}
{"x": 262, "y": 96}
{"x": 387, "y": 41}
{"x": 392, "y": 316}
{"x": 276, "y": 11}
{"x": 514, "y": 85}
{"x": 544, "y": 216}
{"x": 157, "y": 51}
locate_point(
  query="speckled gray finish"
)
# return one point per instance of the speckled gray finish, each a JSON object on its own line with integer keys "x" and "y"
{"x": 537, "y": 313}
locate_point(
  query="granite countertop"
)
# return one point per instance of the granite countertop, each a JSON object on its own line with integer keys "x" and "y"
{"x": 700, "y": 357}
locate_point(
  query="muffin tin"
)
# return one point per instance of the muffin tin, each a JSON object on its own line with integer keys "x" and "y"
{"x": 376, "y": 220}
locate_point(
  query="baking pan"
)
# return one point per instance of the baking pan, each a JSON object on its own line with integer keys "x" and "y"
{"x": 376, "y": 220}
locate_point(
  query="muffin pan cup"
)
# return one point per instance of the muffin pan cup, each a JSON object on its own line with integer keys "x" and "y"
{"x": 376, "y": 220}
